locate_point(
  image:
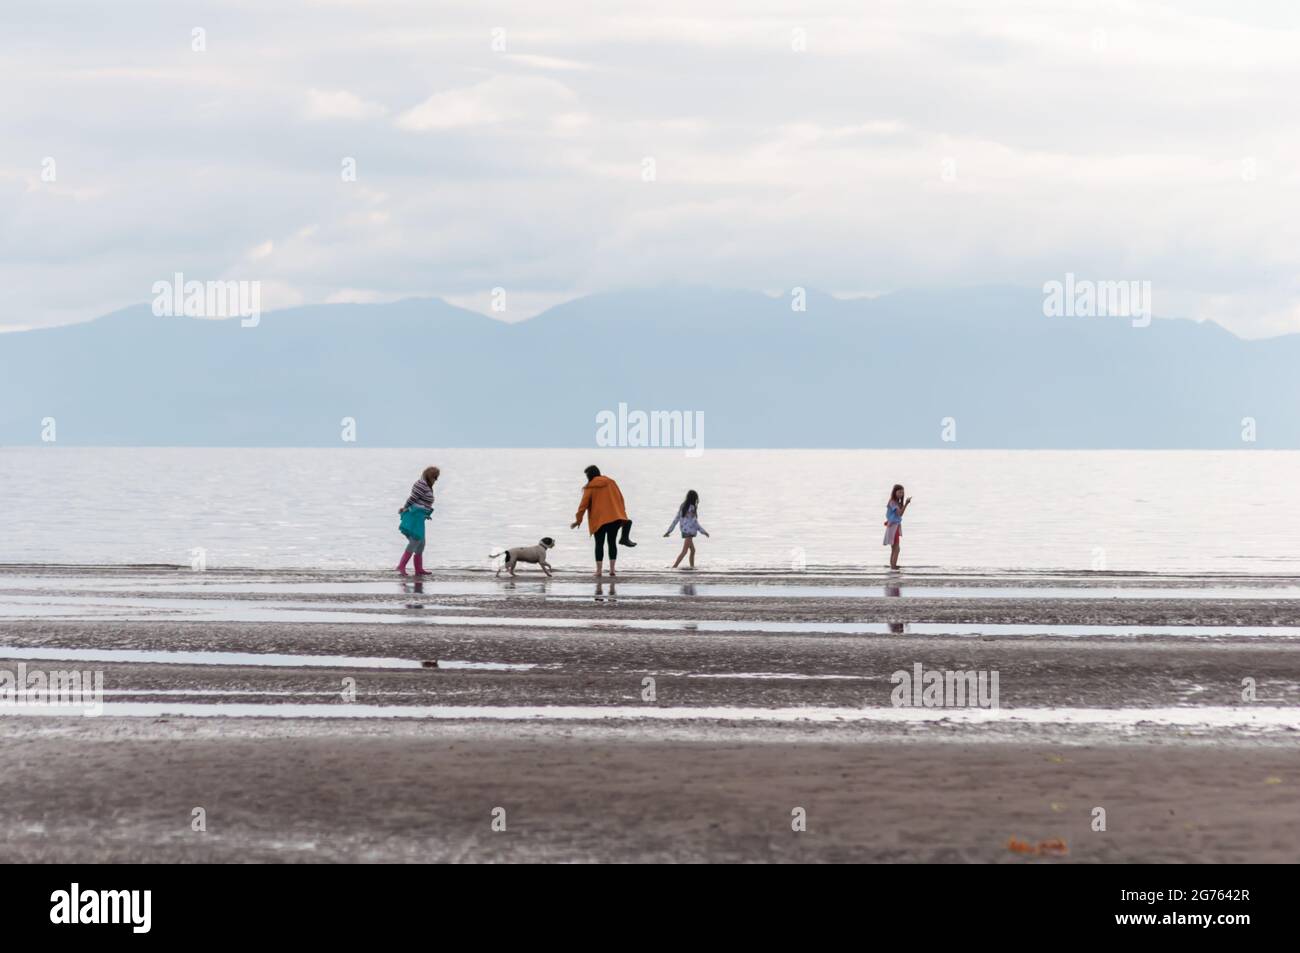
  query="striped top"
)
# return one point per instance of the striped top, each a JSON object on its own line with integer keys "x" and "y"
{"x": 421, "y": 495}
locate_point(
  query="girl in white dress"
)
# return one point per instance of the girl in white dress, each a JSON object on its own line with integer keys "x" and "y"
{"x": 894, "y": 522}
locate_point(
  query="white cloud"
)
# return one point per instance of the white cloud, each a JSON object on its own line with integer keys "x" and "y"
{"x": 523, "y": 169}
{"x": 340, "y": 104}
{"x": 498, "y": 99}
{"x": 361, "y": 296}
{"x": 547, "y": 62}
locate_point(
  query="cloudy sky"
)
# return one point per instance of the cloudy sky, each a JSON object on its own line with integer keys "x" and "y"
{"x": 855, "y": 146}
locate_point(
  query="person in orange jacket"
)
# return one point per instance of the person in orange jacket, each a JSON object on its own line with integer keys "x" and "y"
{"x": 602, "y": 501}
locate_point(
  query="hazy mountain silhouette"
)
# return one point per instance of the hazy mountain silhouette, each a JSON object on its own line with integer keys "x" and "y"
{"x": 860, "y": 373}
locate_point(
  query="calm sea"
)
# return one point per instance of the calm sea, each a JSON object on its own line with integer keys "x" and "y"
{"x": 1171, "y": 511}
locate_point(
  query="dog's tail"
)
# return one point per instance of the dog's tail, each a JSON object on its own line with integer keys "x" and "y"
{"x": 495, "y": 555}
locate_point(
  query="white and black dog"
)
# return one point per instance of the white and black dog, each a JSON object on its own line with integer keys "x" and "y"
{"x": 526, "y": 554}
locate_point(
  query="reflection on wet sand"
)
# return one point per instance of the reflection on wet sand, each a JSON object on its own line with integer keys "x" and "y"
{"x": 895, "y": 591}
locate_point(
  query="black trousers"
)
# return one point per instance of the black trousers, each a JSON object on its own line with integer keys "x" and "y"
{"x": 608, "y": 533}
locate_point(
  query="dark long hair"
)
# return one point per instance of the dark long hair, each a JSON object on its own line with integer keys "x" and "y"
{"x": 692, "y": 499}
{"x": 893, "y": 494}
{"x": 592, "y": 472}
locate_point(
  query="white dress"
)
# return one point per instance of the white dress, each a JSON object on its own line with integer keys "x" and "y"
{"x": 893, "y": 524}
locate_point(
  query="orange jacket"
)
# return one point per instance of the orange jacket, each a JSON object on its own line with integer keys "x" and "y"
{"x": 602, "y": 501}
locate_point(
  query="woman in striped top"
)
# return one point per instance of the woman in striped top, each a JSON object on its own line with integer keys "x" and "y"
{"x": 418, "y": 508}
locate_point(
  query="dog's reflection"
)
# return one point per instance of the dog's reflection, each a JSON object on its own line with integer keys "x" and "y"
{"x": 541, "y": 587}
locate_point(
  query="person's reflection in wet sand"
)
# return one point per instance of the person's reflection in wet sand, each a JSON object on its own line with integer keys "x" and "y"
{"x": 688, "y": 589}
{"x": 894, "y": 592}
{"x": 600, "y": 592}
{"x": 416, "y": 588}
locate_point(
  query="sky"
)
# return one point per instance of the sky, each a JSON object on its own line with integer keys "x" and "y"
{"x": 563, "y": 148}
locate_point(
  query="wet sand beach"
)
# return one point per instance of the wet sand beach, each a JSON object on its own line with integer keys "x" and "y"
{"x": 677, "y": 717}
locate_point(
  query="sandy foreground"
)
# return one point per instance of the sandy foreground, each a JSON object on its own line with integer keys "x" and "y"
{"x": 676, "y": 718}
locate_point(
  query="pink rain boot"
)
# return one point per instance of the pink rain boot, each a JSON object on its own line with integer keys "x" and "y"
{"x": 401, "y": 566}
{"x": 419, "y": 566}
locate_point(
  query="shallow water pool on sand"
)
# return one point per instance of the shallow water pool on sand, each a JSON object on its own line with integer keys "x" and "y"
{"x": 272, "y": 659}
{"x": 96, "y": 608}
{"x": 631, "y": 587}
{"x": 1266, "y": 719}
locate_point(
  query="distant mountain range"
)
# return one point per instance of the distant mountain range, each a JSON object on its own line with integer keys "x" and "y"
{"x": 883, "y": 372}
